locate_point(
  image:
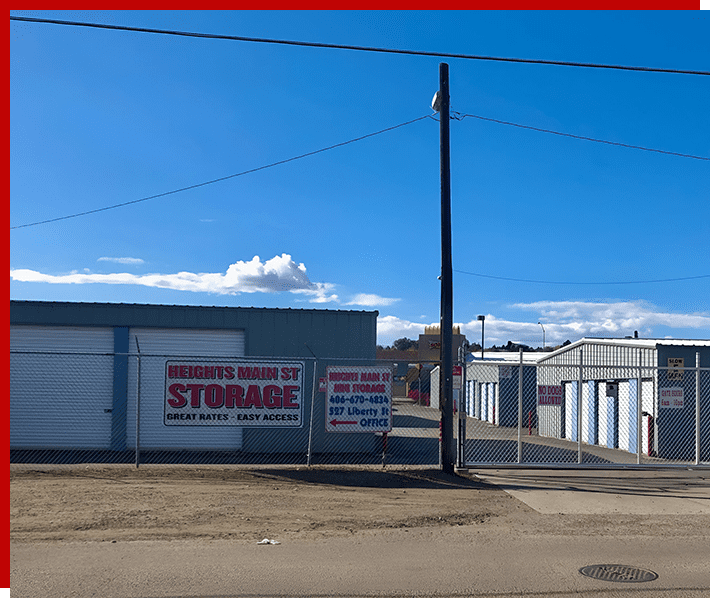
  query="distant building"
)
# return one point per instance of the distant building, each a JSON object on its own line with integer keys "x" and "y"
{"x": 492, "y": 387}
{"x": 430, "y": 344}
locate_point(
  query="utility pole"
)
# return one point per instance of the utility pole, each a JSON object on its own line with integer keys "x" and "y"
{"x": 446, "y": 379}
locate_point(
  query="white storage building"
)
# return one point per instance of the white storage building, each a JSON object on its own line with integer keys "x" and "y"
{"x": 653, "y": 391}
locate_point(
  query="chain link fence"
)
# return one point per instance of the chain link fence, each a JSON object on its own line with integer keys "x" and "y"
{"x": 608, "y": 415}
{"x": 136, "y": 408}
{"x": 68, "y": 408}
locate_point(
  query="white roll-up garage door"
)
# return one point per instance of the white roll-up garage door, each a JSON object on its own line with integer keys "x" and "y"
{"x": 62, "y": 397}
{"x": 570, "y": 406}
{"x": 187, "y": 342}
{"x": 157, "y": 347}
{"x": 625, "y": 415}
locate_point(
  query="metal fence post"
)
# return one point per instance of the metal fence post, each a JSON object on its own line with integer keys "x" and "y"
{"x": 463, "y": 412}
{"x": 520, "y": 408}
{"x": 697, "y": 408}
{"x": 639, "y": 414}
{"x": 313, "y": 402}
{"x": 138, "y": 406}
{"x": 579, "y": 409}
{"x": 463, "y": 405}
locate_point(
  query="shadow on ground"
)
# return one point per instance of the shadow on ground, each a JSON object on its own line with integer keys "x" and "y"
{"x": 412, "y": 421}
{"x": 423, "y": 479}
{"x": 506, "y": 451}
{"x": 681, "y": 484}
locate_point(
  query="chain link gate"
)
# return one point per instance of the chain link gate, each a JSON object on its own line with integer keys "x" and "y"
{"x": 529, "y": 414}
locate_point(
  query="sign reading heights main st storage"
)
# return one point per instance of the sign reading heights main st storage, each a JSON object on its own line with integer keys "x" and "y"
{"x": 233, "y": 393}
{"x": 358, "y": 399}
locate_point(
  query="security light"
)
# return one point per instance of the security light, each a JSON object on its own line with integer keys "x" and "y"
{"x": 436, "y": 102}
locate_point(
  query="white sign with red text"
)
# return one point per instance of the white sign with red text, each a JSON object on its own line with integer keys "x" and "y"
{"x": 234, "y": 393}
{"x": 548, "y": 394}
{"x": 458, "y": 377}
{"x": 358, "y": 399}
{"x": 671, "y": 398}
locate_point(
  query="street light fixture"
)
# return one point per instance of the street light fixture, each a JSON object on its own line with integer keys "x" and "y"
{"x": 482, "y": 320}
{"x": 543, "y": 335}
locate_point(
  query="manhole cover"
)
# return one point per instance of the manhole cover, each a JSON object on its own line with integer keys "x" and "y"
{"x": 621, "y": 573}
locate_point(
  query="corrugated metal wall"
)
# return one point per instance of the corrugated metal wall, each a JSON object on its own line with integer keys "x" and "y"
{"x": 61, "y": 400}
{"x": 268, "y": 331}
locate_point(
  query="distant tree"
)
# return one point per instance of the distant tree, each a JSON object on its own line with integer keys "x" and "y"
{"x": 511, "y": 347}
{"x": 404, "y": 344}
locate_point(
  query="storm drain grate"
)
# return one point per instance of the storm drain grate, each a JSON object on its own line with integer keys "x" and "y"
{"x": 621, "y": 573}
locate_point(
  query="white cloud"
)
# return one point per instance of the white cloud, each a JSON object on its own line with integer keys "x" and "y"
{"x": 320, "y": 293}
{"x": 562, "y": 320}
{"x": 278, "y": 274}
{"x": 370, "y": 300}
{"x": 573, "y": 320}
{"x": 122, "y": 260}
{"x": 617, "y": 318}
{"x": 390, "y": 328}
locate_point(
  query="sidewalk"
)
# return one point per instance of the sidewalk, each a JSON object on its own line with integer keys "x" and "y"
{"x": 605, "y": 492}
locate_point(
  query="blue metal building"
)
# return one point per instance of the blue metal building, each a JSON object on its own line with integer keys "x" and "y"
{"x": 75, "y": 377}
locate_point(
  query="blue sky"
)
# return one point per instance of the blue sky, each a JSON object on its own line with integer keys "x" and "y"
{"x": 100, "y": 117}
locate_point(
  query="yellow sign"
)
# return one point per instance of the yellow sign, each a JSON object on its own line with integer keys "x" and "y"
{"x": 675, "y": 368}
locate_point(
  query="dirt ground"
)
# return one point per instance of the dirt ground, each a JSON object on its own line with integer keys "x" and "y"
{"x": 118, "y": 503}
{"x": 107, "y": 503}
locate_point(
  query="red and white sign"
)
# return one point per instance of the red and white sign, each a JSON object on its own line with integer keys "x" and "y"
{"x": 358, "y": 399}
{"x": 548, "y": 394}
{"x": 671, "y": 398}
{"x": 458, "y": 377}
{"x": 233, "y": 393}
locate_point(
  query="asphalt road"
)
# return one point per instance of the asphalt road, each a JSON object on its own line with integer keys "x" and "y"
{"x": 448, "y": 562}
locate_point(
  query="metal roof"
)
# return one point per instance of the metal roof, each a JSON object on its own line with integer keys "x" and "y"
{"x": 639, "y": 343}
{"x": 507, "y": 356}
{"x": 116, "y": 305}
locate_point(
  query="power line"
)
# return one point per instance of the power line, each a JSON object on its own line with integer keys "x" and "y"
{"x": 224, "y": 178}
{"x": 584, "y": 283}
{"x": 457, "y": 116}
{"x": 358, "y": 48}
